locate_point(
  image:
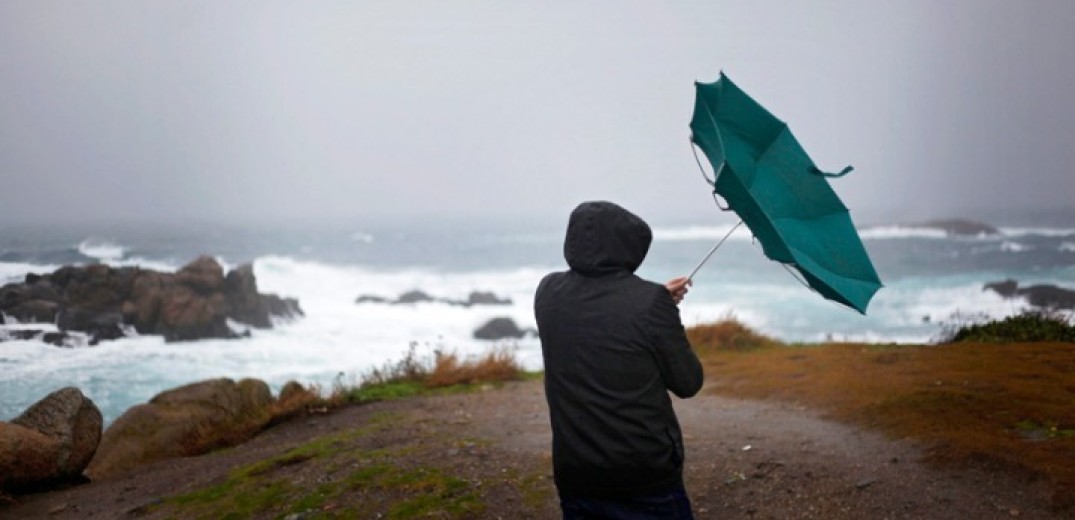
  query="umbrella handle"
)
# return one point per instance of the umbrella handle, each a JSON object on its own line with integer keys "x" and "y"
{"x": 690, "y": 277}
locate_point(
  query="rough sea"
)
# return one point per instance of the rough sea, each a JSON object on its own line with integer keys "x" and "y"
{"x": 930, "y": 279}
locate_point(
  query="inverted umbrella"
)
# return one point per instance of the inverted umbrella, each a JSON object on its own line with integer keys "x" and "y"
{"x": 766, "y": 177}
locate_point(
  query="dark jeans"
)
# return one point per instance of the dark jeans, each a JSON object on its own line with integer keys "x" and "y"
{"x": 671, "y": 505}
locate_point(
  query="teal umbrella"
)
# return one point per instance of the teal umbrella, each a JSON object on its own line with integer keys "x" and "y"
{"x": 766, "y": 177}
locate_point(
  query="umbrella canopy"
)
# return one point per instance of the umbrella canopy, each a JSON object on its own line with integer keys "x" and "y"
{"x": 766, "y": 177}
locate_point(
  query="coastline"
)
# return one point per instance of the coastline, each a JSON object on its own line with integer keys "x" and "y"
{"x": 485, "y": 453}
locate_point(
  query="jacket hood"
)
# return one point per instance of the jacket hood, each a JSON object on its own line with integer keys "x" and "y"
{"x": 603, "y": 238}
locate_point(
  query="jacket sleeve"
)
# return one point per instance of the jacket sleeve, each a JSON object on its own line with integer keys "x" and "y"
{"x": 679, "y": 366}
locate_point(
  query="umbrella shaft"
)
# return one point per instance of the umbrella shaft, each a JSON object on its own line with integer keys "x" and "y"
{"x": 714, "y": 250}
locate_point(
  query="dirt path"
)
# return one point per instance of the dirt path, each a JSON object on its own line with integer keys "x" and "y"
{"x": 745, "y": 459}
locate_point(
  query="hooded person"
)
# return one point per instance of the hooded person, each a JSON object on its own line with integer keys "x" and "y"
{"x": 614, "y": 347}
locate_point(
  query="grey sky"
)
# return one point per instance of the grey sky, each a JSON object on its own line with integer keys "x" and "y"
{"x": 222, "y": 110}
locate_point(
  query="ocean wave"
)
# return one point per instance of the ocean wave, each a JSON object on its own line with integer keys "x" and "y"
{"x": 16, "y": 271}
{"x": 1042, "y": 232}
{"x": 1014, "y": 247}
{"x": 101, "y": 249}
{"x": 1067, "y": 247}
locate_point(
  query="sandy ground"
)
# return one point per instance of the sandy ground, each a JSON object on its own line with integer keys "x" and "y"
{"x": 745, "y": 459}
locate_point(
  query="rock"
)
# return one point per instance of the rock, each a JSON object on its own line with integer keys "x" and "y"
{"x": 500, "y": 328}
{"x": 414, "y": 297}
{"x": 189, "y": 420}
{"x": 417, "y": 296}
{"x": 59, "y": 339}
{"x": 99, "y": 325}
{"x": 27, "y": 458}
{"x": 12, "y": 295}
{"x": 1049, "y": 297}
{"x": 142, "y": 307}
{"x": 34, "y": 311}
{"x": 193, "y": 303}
{"x": 957, "y": 226}
{"x": 282, "y": 307}
{"x": 204, "y": 275}
{"x": 51, "y": 442}
{"x": 292, "y": 390}
{"x": 369, "y": 298}
{"x": 186, "y": 315}
{"x": 1005, "y": 288}
{"x": 246, "y": 304}
{"x": 486, "y": 298}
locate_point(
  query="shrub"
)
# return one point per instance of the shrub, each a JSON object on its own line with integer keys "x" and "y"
{"x": 727, "y": 334}
{"x": 1029, "y": 326}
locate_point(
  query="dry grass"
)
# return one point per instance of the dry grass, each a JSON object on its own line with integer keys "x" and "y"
{"x": 413, "y": 375}
{"x": 1008, "y": 406}
{"x": 726, "y": 334}
{"x": 496, "y": 365}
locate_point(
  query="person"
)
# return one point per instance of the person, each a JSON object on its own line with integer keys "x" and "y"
{"x": 613, "y": 347}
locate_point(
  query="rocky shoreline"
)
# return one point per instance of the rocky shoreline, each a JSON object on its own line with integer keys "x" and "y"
{"x": 103, "y": 303}
{"x": 59, "y": 440}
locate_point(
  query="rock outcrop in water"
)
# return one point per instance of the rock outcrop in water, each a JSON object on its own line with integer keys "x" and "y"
{"x": 1043, "y": 296}
{"x": 502, "y": 328}
{"x": 51, "y": 443}
{"x": 193, "y": 303}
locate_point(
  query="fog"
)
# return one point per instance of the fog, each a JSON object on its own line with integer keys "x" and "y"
{"x": 316, "y": 110}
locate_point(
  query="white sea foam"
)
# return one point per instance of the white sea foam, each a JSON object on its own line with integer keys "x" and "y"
{"x": 1044, "y": 232}
{"x": 17, "y": 271}
{"x": 1067, "y": 247}
{"x": 1014, "y": 247}
{"x": 895, "y": 232}
{"x": 101, "y": 249}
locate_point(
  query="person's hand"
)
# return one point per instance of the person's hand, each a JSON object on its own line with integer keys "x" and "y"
{"x": 678, "y": 287}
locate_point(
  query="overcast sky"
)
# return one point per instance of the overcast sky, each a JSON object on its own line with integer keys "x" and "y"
{"x": 281, "y": 110}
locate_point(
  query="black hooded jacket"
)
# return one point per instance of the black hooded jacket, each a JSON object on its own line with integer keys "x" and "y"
{"x": 613, "y": 346}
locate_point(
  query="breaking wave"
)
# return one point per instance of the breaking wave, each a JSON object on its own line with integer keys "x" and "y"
{"x": 102, "y": 250}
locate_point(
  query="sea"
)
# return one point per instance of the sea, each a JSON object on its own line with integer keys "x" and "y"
{"x": 932, "y": 280}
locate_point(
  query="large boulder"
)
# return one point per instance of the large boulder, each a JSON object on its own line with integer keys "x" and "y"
{"x": 247, "y": 305}
{"x": 27, "y": 458}
{"x": 51, "y": 442}
{"x": 204, "y": 275}
{"x": 189, "y": 420}
{"x": 34, "y": 311}
{"x": 187, "y": 315}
